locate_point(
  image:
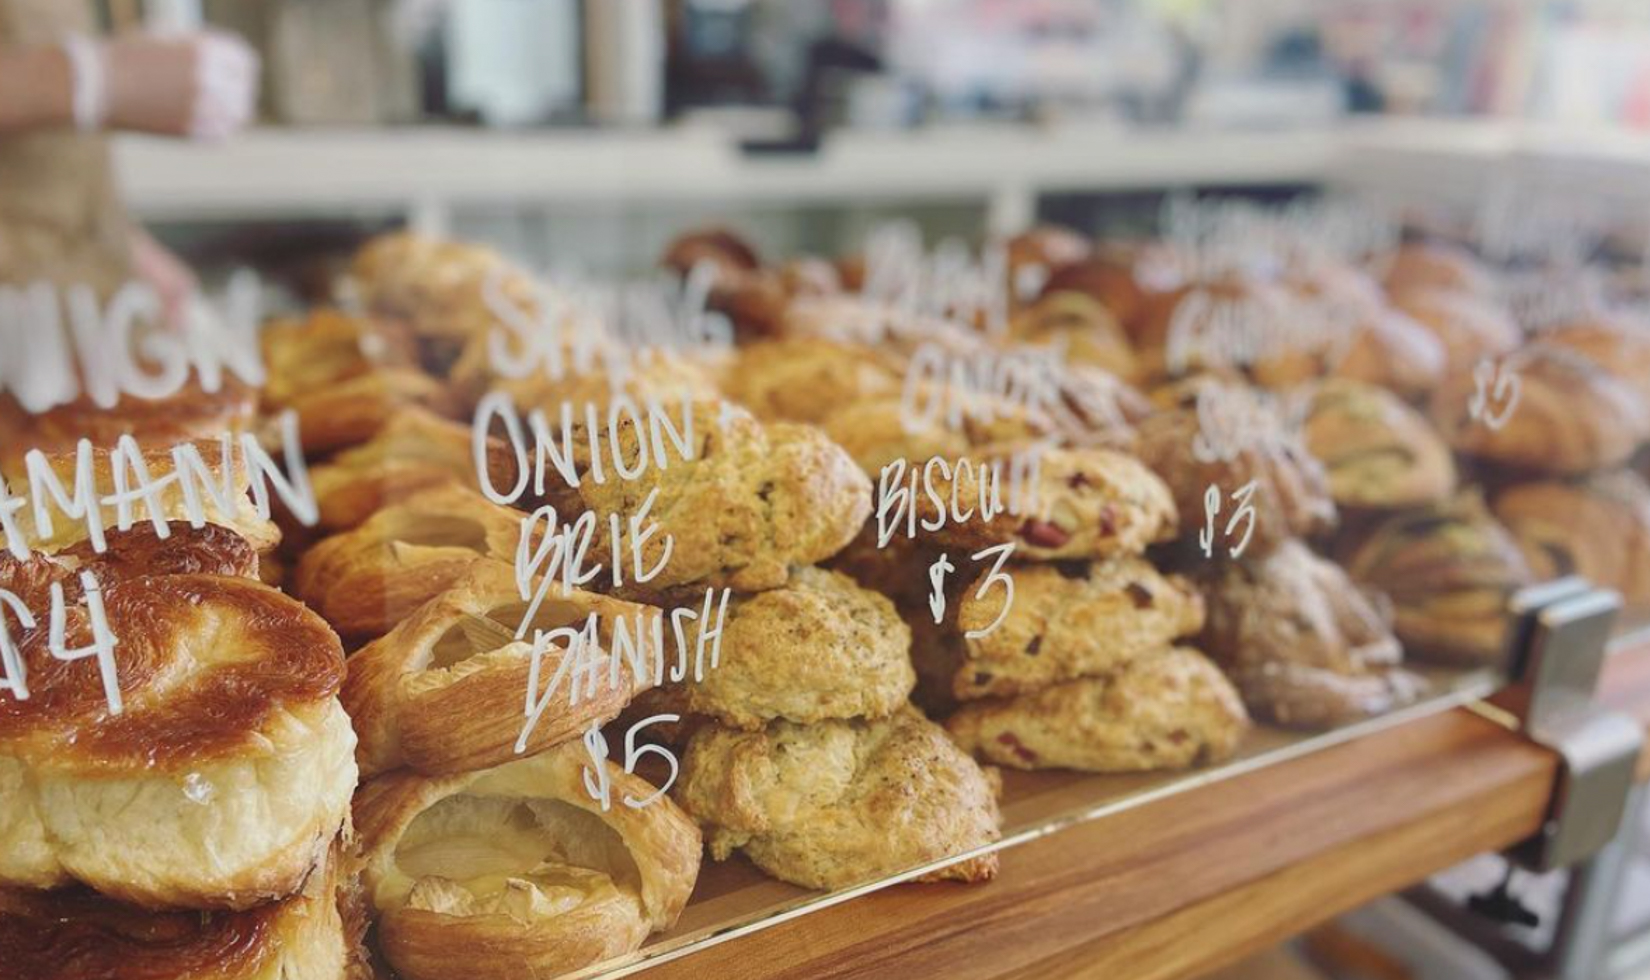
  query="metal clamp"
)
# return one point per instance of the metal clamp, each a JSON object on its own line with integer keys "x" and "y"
{"x": 1557, "y": 649}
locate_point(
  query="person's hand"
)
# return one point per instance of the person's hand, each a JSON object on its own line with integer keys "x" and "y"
{"x": 166, "y": 274}
{"x": 202, "y": 85}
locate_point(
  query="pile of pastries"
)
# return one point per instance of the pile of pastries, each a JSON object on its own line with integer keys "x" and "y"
{"x": 324, "y": 765}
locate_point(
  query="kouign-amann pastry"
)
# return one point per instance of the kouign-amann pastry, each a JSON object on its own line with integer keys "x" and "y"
{"x": 224, "y": 778}
{"x": 522, "y": 864}
{"x": 1542, "y": 408}
{"x": 1469, "y": 326}
{"x": 1450, "y": 570}
{"x": 190, "y": 413}
{"x": 820, "y": 647}
{"x": 840, "y": 803}
{"x": 1598, "y": 528}
{"x": 78, "y": 935}
{"x": 442, "y": 692}
{"x": 1066, "y": 621}
{"x": 1291, "y": 496}
{"x": 805, "y": 379}
{"x": 137, "y": 552}
{"x": 1303, "y": 645}
{"x": 1437, "y": 265}
{"x": 1378, "y": 451}
{"x": 413, "y": 452}
{"x": 1167, "y": 710}
{"x": 366, "y": 580}
{"x": 169, "y": 502}
{"x": 748, "y": 503}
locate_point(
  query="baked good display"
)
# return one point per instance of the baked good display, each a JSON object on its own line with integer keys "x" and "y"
{"x": 819, "y": 647}
{"x": 190, "y": 413}
{"x": 1302, "y": 644}
{"x": 1542, "y": 408}
{"x": 805, "y": 379}
{"x": 1377, "y": 451}
{"x": 1470, "y": 326}
{"x": 313, "y": 934}
{"x": 223, "y": 780}
{"x": 1390, "y": 349}
{"x": 1597, "y": 527}
{"x": 1434, "y": 264}
{"x": 839, "y": 803}
{"x": 1449, "y": 570}
{"x": 520, "y": 863}
{"x": 739, "y": 508}
{"x": 366, "y": 580}
{"x": 442, "y": 691}
{"x": 1618, "y": 344}
{"x": 1081, "y": 328}
{"x": 1168, "y": 711}
{"x": 444, "y": 291}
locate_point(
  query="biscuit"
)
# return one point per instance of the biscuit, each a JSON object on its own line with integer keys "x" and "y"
{"x": 841, "y": 803}
{"x": 1169, "y": 709}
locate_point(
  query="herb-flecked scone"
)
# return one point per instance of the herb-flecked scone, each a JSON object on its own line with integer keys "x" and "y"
{"x": 839, "y": 803}
{"x": 1067, "y": 620}
{"x": 1449, "y": 570}
{"x": 1169, "y": 709}
{"x": 747, "y": 504}
{"x": 1303, "y": 645}
{"x": 1378, "y": 451}
{"x": 1597, "y": 527}
{"x": 805, "y": 379}
{"x": 816, "y": 648}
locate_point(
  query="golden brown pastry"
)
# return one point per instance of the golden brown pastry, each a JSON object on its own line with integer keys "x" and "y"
{"x": 1450, "y": 570}
{"x": 749, "y": 503}
{"x": 1597, "y": 527}
{"x": 78, "y": 935}
{"x": 189, "y": 414}
{"x": 820, "y": 647}
{"x": 170, "y": 501}
{"x": 1378, "y": 451}
{"x": 1247, "y": 325}
{"x": 805, "y": 379}
{"x": 1109, "y": 279}
{"x": 876, "y": 432}
{"x": 1066, "y": 620}
{"x": 222, "y": 781}
{"x": 840, "y": 803}
{"x": 1437, "y": 265}
{"x": 353, "y": 410}
{"x": 1561, "y": 415}
{"x": 366, "y": 580}
{"x": 1390, "y": 349}
{"x": 414, "y": 451}
{"x": 1081, "y": 328}
{"x": 1035, "y": 254}
{"x": 1619, "y": 345}
{"x": 517, "y": 871}
{"x": 1469, "y": 326}
{"x": 130, "y": 554}
{"x": 1306, "y": 649}
{"x": 328, "y": 346}
{"x": 723, "y": 249}
{"x": 1169, "y": 709}
{"x": 1291, "y": 495}
{"x": 443, "y": 691}
{"x": 439, "y": 288}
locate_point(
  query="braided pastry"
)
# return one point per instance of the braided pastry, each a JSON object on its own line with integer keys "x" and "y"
{"x": 442, "y": 692}
{"x": 1598, "y": 528}
{"x": 1378, "y": 451}
{"x": 224, "y": 778}
{"x": 366, "y": 580}
{"x": 520, "y": 863}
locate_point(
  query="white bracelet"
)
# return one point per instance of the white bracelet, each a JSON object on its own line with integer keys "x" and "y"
{"x": 89, "y": 98}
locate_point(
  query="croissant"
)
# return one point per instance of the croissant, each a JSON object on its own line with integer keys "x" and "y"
{"x": 307, "y": 354}
{"x": 517, "y": 871}
{"x": 414, "y": 451}
{"x": 1543, "y": 408}
{"x": 366, "y": 580}
{"x": 442, "y": 692}
{"x": 1598, "y": 528}
{"x": 170, "y": 501}
{"x": 77, "y": 935}
{"x": 350, "y": 412}
{"x": 188, "y": 414}
{"x": 224, "y": 778}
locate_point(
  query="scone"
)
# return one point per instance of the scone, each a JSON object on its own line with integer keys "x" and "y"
{"x": 366, "y": 580}
{"x": 817, "y": 648}
{"x": 443, "y": 691}
{"x": 1303, "y": 645}
{"x": 1291, "y": 496}
{"x": 1568, "y": 416}
{"x": 1450, "y": 571}
{"x": 749, "y": 503}
{"x": 78, "y": 935}
{"x": 223, "y": 780}
{"x": 414, "y": 451}
{"x": 1169, "y": 709}
{"x": 805, "y": 379}
{"x": 518, "y": 871}
{"x": 1068, "y": 620}
{"x": 840, "y": 803}
{"x": 1597, "y": 527}
{"x": 1378, "y": 451}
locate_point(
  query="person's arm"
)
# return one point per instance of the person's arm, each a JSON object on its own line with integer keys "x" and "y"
{"x": 36, "y": 90}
